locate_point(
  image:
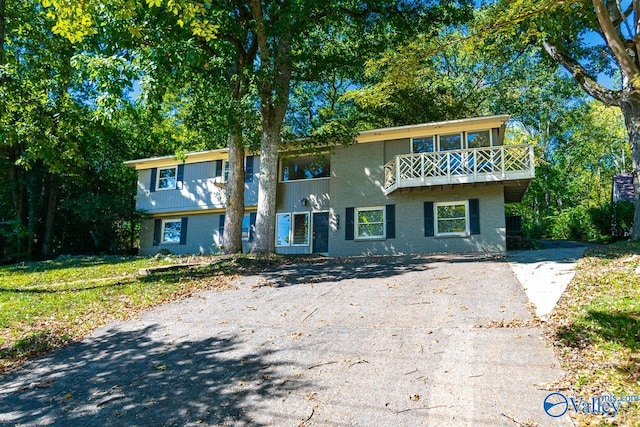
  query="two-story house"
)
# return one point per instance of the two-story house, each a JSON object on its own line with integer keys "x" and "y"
{"x": 434, "y": 187}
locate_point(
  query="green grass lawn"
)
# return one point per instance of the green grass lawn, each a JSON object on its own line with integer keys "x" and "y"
{"x": 596, "y": 329}
{"x": 44, "y": 305}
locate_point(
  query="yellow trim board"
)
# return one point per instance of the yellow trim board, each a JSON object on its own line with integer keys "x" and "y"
{"x": 428, "y": 129}
{"x": 197, "y": 212}
{"x": 375, "y": 135}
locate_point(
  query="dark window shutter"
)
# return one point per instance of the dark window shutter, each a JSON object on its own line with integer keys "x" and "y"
{"x": 349, "y": 224}
{"x": 428, "y": 219}
{"x": 221, "y": 226}
{"x": 248, "y": 169}
{"x": 474, "y": 216}
{"x": 252, "y": 225}
{"x": 391, "y": 221}
{"x": 218, "y": 171}
{"x": 154, "y": 176}
{"x": 180, "y": 176}
{"x": 183, "y": 230}
{"x": 157, "y": 232}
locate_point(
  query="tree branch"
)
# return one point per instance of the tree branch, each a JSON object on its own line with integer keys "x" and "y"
{"x": 593, "y": 88}
{"x": 614, "y": 40}
{"x": 263, "y": 46}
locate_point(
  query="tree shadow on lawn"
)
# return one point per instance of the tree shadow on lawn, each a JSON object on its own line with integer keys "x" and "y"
{"x": 619, "y": 328}
{"x": 127, "y": 378}
{"x": 67, "y": 262}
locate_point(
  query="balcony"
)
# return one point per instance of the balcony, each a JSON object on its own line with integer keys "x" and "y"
{"x": 475, "y": 165}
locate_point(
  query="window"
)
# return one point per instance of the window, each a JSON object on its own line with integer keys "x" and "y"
{"x": 292, "y": 229}
{"x": 226, "y": 171}
{"x": 171, "y": 229}
{"x": 245, "y": 227}
{"x": 249, "y": 226}
{"x": 479, "y": 139}
{"x": 450, "y": 142}
{"x": 423, "y": 145}
{"x": 283, "y": 229}
{"x": 452, "y": 219}
{"x": 301, "y": 229}
{"x": 369, "y": 223}
{"x": 167, "y": 178}
{"x": 308, "y": 167}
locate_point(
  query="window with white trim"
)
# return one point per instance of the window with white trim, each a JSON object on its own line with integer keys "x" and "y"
{"x": 423, "y": 145}
{"x": 307, "y": 167}
{"x": 300, "y": 229}
{"x": 248, "y": 229}
{"x": 452, "y": 219}
{"x": 478, "y": 139}
{"x": 292, "y": 229}
{"x": 450, "y": 142}
{"x": 283, "y": 229}
{"x": 246, "y": 226}
{"x": 167, "y": 178}
{"x": 171, "y": 229}
{"x": 369, "y": 222}
{"x": 226, "y": 171}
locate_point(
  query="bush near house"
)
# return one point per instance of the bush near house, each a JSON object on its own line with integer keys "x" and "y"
{"x": 582, "y": 223}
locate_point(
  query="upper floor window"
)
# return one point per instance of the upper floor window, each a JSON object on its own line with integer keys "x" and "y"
{"x": 167, "y": 178}
{"x": 478, "y": 139}
{"x": 307, "y": 167}
{"x": 423, "y": 145}
{"x": 451, "y": 142}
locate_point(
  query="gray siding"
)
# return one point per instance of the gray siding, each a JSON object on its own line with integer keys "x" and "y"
{"x": 495, "y": 137}
{"x": 293, "y": 250}
{"x": 396, "y": 147}
{"x": 202, "y": 236}
{"x": 198, "y": 190}
{"x": 357, "y": 182}
{"x": 290, "y": 195}
{"x": 289, "y": 199}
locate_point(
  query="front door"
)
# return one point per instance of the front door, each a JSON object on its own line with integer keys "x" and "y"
{"x": 321, "y": 232}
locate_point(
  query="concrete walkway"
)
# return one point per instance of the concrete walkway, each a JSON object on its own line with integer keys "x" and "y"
{"x": 393, "y": 341}
{"x": 545, "y": 273}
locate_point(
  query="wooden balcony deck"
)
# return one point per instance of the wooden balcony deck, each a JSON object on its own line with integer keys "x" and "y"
{"x": 476, "y": 165}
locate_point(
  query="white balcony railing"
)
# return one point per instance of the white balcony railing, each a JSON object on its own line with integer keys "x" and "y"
{"x": 506, "y": 162}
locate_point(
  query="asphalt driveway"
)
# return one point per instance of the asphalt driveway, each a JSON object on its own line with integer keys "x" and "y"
{"x": 411, "y": 340}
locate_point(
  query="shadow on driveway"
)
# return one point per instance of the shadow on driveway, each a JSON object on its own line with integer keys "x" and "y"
{"x": 125, "y": 377}
{"x": 371, "y": 267}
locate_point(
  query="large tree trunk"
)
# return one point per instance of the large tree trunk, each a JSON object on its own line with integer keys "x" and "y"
{"x": 276, "y": 66}
{"x": 232, "y": 236}
{"x": 266, "y": 215}
{"x": 631, "y": 112}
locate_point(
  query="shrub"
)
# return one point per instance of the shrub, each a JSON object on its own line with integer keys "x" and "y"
{"x": 12, "y": 237}
{"x": 582, "y": 223}
{"x": 622, "y": 213}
